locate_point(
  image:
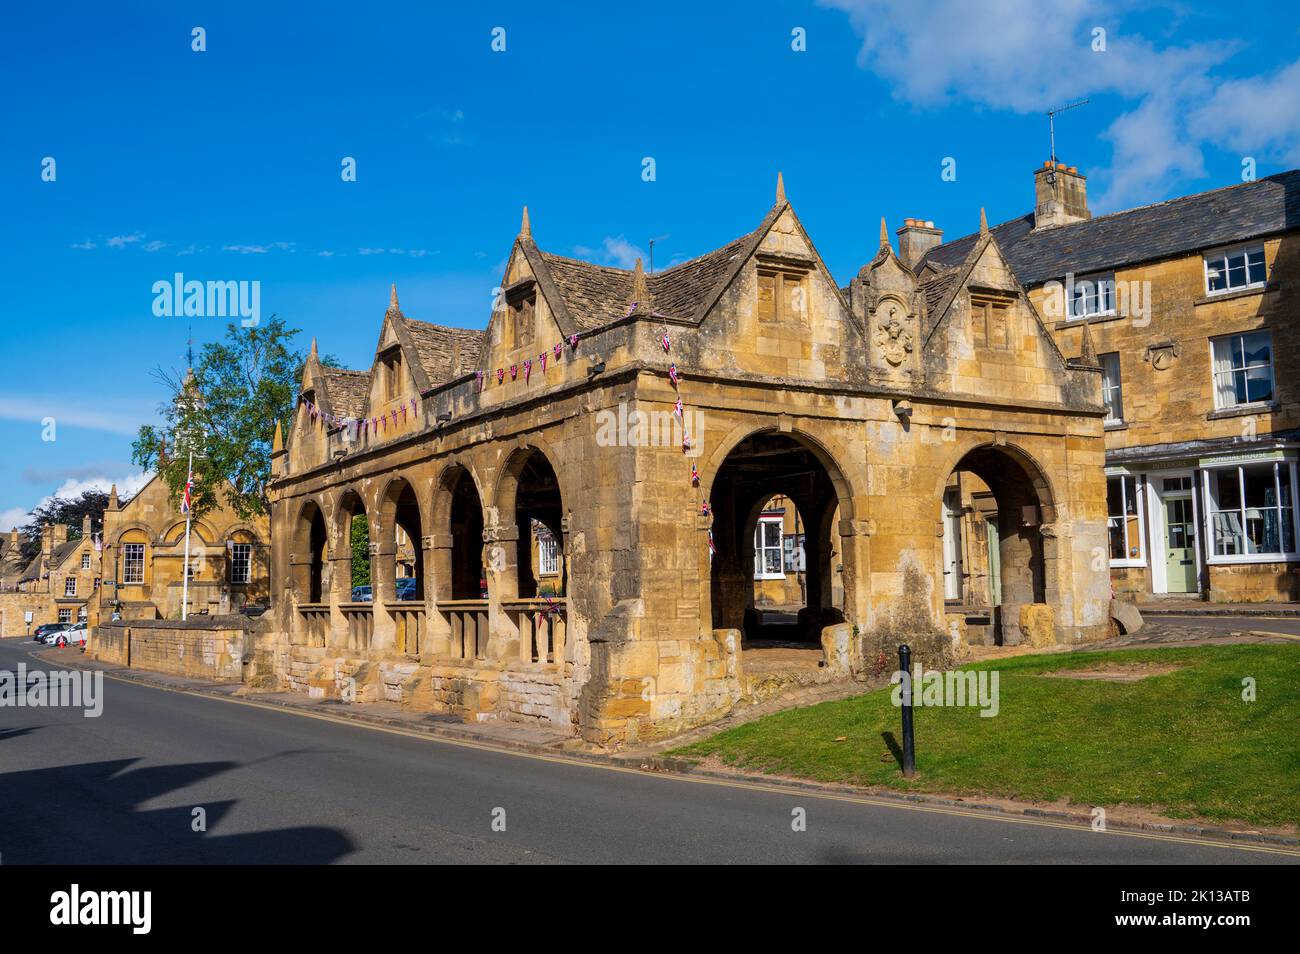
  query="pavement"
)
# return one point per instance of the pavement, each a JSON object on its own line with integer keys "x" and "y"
{"x": 276, "y": 784}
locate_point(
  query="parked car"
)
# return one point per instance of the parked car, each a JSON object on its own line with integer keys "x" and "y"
{"x": 408, "y": 588}
{"x": 39, "y": 633}
{"x": 70, "y": 633}
{"x": 362, "y": 594}
{"x": 73, "y": 636}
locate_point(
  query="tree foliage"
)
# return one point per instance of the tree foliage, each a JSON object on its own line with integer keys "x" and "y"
{"x": 226, "y": 411}
{"x": 69, "y": 511}
{"x": 360, "y": 550}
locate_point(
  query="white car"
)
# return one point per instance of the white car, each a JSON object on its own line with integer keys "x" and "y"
{"x": 74, "y": 634}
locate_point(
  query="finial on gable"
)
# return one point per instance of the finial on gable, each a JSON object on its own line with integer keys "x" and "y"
{"x": 112, "y": 498}
{"x": 640, "y": 289}
{"x": 277, "y": 443}
{"x": 392, "y": 298}
{"x": 780, "y": 188}
{"x": 1087, "y": 350}
{"x": 884, "y": 233}
{"x": 313, "y": 346}
{"x": 984, "y": 222}
{"x": 525, "y": 230}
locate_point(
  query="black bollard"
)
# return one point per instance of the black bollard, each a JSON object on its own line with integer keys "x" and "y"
{"x": 909, "y": 744}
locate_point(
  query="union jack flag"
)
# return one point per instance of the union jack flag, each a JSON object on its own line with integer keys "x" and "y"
{"x": 187, "y": 498}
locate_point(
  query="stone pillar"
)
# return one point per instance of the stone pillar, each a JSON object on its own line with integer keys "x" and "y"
{"x": 437, "y": 586}
{"x": 383, "y": 588}
{"x": 501, "y": 566}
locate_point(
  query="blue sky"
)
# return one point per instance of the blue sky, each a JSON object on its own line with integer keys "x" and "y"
{"x": 225, "y": 164}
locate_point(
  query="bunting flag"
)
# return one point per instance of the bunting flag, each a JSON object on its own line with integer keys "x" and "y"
{"x": 415, "y": 408}
{"x": 713, "y": 547}
{"x": 695, "y": 475}
{"x": 573, "y": 342}
{"x": 542, "y": 358}
{"x": 672, "y": 374}
{"x": 478, "y": 375}
{"x": 501, "y": 374}
{"x": 558, "y": 350}
{"x": 686, "y": 442}
{"x": 704, "y": 505}
{"x": 514, "y": 372}
{"x": 665, "y": 342}
{"x": 528, "y": 369}
{"x": 680, "y": 410}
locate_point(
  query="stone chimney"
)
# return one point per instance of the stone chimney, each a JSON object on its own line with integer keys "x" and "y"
{"x": 85, "y": 527}
{"x": 1060, "y": 196}
{"x": 915, "y": 238}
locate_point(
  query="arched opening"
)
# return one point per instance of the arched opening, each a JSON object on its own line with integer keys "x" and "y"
{"x": 993, "y": 553}
{"x": 530, "y": 494}
{"x": 465, "y": 523}
{"x": 355, "y": 526}
{"x": 311, "y": 544}
{"x": 775, "y": 574}
{"x": 403, "y": 532}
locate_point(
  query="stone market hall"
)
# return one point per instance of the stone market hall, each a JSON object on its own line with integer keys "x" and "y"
{"x": 582, "y": 482}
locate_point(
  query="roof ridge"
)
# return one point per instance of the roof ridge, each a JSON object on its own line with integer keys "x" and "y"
{"x": 1059, "y": 229}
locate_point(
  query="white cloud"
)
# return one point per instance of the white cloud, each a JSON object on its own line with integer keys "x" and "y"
{"x": 614, "y": 250}
{"x": 92, "y": 417}
{"x": 153, "y": 246}
{"x": 1259, "y": 115}
{"x": 1028, "y": 55}
{"x": 122, "y": 241}
{"x": 88, "y": 244}
{"x": 260, "y": 249}
{"x": 127, "y": 485}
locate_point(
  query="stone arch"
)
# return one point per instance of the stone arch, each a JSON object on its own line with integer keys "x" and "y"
{"x": 996, "y": 546}
{"x": 527, "y": 543}
{"x": 397, "y": 534}
{"x": 352, "y": 504}
{"x": 752, "y": 466}
{"x": 310, "y": 553}
{"x": 175, "y": 534}
{"x": 456, "y": 522}
{"x": 151, "y": 538}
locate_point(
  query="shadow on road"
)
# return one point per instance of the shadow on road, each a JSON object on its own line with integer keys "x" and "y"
{"x": 90, "y": 814}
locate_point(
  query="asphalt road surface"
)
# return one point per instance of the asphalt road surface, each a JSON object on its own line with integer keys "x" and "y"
{"x": 281, "y": 787}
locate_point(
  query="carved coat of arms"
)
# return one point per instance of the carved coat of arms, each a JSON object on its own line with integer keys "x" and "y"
{"x": 893, "y": 338}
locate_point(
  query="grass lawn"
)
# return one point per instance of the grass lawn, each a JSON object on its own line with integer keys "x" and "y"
{"x": 1182, "y": 743}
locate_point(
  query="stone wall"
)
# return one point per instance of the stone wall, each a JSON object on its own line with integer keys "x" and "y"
{"x": 213, "y": 648}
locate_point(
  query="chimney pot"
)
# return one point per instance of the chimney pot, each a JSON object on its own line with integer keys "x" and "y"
{"x": 915, "y": 238}
{"x": 1060, "y": 195}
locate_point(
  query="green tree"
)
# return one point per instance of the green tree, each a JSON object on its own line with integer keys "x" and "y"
{"x": 360, "y": 550}
{"x": 65, "y": 510}
{"x": 226, "y": 409}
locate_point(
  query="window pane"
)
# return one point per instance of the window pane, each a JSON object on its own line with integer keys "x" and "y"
{"x": 772, "y": 532}
{"x": 1259, "y": 384}
{"x": 1256, "y": 347}
{"x": 1255, "y": 266}
{"x": 1229, "y": 490}
{"x": 1215, "y": 276}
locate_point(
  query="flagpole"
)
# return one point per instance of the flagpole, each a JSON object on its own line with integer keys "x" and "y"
{"x": 185, "y": 585}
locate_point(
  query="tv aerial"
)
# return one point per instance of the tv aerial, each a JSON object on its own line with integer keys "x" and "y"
{"x": 1051, "y": 129}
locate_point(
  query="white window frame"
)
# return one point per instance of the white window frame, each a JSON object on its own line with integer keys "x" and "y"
{"x": 247, "y": 549}
{"x": 1210, "y": 485}
{"x": 1117, "y": 388}
{"x": 1215, "y": 374}
{"x": 69, "y": 586}
{"x": 1220, "y": 257}
{"x": 1139, "y": 496}
{"x": 85, "y": 561}
{"x": 548, "y": 555}
{"x": 128, "y": 579}
{"x": 65, "y": 615}
{"x": 760, "y": 547}
{"x": 1101, "y": 299}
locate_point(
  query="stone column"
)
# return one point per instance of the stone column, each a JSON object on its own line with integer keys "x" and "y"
{"x": 501, "y": 566}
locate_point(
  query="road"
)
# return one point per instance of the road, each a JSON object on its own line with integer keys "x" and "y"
{"x": 282, "y": 787}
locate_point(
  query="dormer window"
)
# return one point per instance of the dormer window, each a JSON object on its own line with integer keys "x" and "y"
{"x": 782, "y": 296}
{"x": 991, "y": 321}
{"x": 391, "y": 373}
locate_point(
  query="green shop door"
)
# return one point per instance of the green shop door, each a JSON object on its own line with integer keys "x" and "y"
{"x": 1180, "y": 545}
